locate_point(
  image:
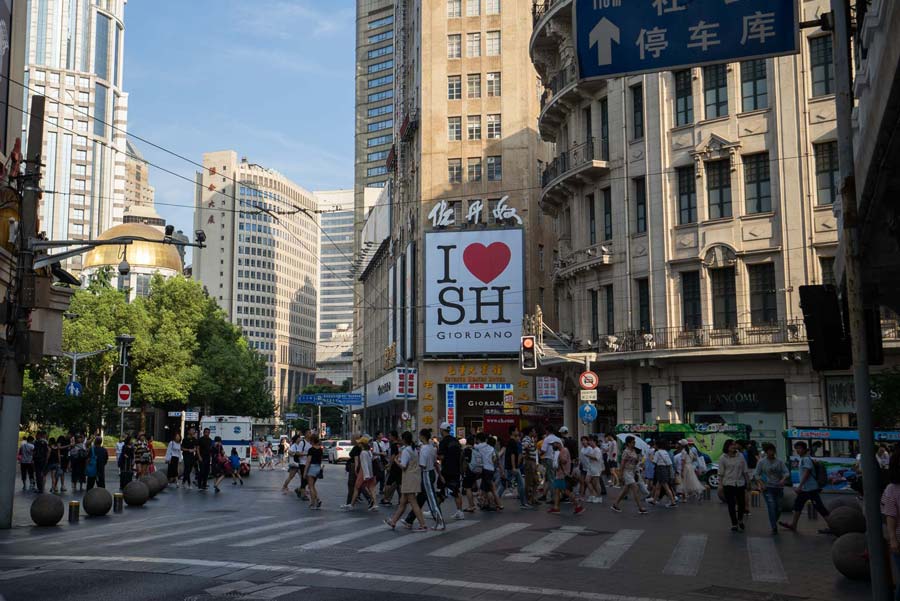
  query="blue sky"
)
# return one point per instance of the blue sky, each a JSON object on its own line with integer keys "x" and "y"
{"x": 271, "y": 79}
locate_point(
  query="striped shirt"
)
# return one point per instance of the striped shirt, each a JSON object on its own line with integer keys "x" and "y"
{"x": 890, "y": 504}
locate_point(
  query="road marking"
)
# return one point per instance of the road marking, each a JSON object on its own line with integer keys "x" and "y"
{"x": 546, "y": 545}
{"x": 273, "y": 592}
{"x": 301, "y": 533}
{"x": 607, "y": 554}
{"x": 765, "y": 565}
{"x": 11, "y": 574}
{"x": 112, "y": 530}
{"x": 400, "y": 541}
{"x": 342, "y": 538}
{"x": 223, "y": 523}
{"x": 235, "y": 586}
{"x": 473, "y": 542}
{"x": 208, "y": 539}
{"x": 686, "y": 558}
{"x": 465, "y": 585}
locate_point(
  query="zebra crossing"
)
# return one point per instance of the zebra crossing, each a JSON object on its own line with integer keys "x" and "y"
{"x": 522, "y": 541}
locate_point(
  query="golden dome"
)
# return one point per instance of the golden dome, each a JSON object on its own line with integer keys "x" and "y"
{"x": 153, "y": 255}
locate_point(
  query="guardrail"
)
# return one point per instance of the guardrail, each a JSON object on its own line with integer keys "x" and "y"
{"x": 595, "y": 149}
{"x": 780, "y": 332}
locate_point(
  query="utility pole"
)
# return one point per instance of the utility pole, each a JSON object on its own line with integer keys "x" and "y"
{"x": 125, "y": 342}
{"x": 365, "y": 419}
{"x": 18, "y": 309}
{"x": 843, "y": 66}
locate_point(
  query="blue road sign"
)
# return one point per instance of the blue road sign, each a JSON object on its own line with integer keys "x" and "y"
{"x": 587, "y": 413}
{"x": 321, "y": 400}
{"x": 73, "y": 388}
{"x": 620, "y": 37}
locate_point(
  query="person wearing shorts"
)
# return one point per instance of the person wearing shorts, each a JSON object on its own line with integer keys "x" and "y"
{"x": 484, "y": 459}
{"x": 630, "y": 460}
{"x": 449, "y": 454}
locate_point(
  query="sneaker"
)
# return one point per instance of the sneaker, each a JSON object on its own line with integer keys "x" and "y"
{"x": 553, "y": 511}
{"x": 599, "y": 500}
{"x": 741, "y": 526}
{"x": 579, "y": 510}
{"x": 388, "y": 523}
{"x": 373, "y": 507}
{"x": 459, "y": 515}
{"x": 616, "y": 509}
{"x": 346, "y": 506}
{"x": 526, "y": 506}
{"x": 643, "y": 511}
{"x": 670, "y": 505}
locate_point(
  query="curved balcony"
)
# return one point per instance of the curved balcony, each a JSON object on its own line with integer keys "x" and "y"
{"x": 582, "y": 163}
{"x": 582, "y": 260}
{"x": 542, "y": 11}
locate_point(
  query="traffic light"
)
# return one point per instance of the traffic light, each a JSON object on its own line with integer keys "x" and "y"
{"x": 528, "y": 354}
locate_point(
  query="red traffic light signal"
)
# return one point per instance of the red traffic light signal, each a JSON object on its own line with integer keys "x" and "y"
{"x": 528, "y": 354}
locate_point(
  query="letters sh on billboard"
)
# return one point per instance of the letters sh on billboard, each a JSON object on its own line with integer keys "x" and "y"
{"x": 474, "y": 291}
{"x": 620, "y": 37}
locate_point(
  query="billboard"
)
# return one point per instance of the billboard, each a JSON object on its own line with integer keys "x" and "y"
{"x": 474, "y": 292}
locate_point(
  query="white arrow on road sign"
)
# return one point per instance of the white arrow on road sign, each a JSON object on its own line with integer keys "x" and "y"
{"x": 603, "y": 35}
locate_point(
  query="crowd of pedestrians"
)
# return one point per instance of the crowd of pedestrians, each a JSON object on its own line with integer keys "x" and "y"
{"x": 45, "y": 463}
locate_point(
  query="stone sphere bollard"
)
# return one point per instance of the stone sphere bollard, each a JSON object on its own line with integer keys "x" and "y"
{"x": 844, "y": 501}
{"x": 162, "y": 477}
{"x": 47, "y": 510}
{"x": 848, "y": 553}
{"x": 136, "y": 493}
{"x": 152, "y": 483}
{"x": 787, "y": 501}
{"x": 844, "y": 520}
{"x": 97, "y": 502}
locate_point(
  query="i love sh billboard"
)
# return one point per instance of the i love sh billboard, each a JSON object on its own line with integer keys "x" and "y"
{"x": 474, "y": 291}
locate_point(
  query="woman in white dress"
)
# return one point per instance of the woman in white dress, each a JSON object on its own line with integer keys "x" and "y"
{"x": 690, "y": 484}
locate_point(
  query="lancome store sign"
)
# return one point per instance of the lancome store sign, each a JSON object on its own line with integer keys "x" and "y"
{"x": 388, "y": 387}
{"x": 474, "y": 286}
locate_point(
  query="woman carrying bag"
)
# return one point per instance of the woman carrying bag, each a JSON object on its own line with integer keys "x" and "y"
{"x": 173, "y": 457}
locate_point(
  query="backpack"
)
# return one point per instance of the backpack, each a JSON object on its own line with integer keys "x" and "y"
{"x": 91, "y": 470}
{"x": 820, "y": 473}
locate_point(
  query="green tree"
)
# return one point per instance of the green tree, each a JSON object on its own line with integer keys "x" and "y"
{"x": 886, "y": 399}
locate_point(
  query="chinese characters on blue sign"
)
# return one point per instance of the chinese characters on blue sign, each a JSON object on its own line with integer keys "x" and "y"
{"x": 330, "y": 399}
{"x": 619, "y": 37}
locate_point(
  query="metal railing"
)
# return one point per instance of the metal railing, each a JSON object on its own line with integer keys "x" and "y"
{"x": 595, "y": 149}
{"x": 780, "y": 332}
{"x": 564, "y": 77}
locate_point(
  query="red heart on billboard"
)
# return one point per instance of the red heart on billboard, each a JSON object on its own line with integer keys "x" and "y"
{"x": 487, "y": 262}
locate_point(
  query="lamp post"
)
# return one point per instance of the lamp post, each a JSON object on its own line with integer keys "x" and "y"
{"x": 124, "y": 341}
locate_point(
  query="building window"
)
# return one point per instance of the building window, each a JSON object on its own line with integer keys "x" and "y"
{"x": 380, "y": 37}
{"x": 389, "y": 20}
{"x": 607, "y": 214}
{"x": 474, "y": 127}
{"x": 822, "y": 61}
{"x": 379, "y": 140}
{"x": 381, "y": 81}
{"x": 383, "y": 51}
{"x": 474, "y": 85}
{"x": 454, "y": 128}
{"x": 379, "y": 96}
{"x": 380, "y": 125}
{"x": 684, "y": 98}
{"x": 376, "y": 156}
{"x": 494, "y": 169}
{"x": 691, "y": 314}
{"x": 454, "y": 45}
{"x": 142, "y": 285}
{"x": 754, "y": 85}
{"x": 637, "y": 111}
{"x": 473, "y": 8}
{"x": 763, "y": 306}
{"x": 454, "y": 87}
{"x": 473, "y": 44}
{"x": 827, "y": 172}
{"x": 100, "y": 93}
{"x": 381, "y": 110}
{"x": 494, "y": 127}
{"x": 375, "y": 171}
{"x": 604, "y": 129}
{"x": 640, "y": 205}
{"x": 715, "y": 90}
{"x": 687, "y": 195}
{"x": 718, "y": 188}
{"x": 492, "y": 7}
{"x": 610, "y": 309}
{"x": 540, "y": 257}
{"x": 493, "y": 43}
{"x": 592, "y": 219}
{"x": 474, "y": 169}
{"x": 643, "y": 290}
{"x": 454, "y": 9}
{"x": 595, "y": 316}
{"x": 757, "y": 187}
{"x": 827, "y": 264}
{"x": 454, "y": 171}
{"x": 101, "y": 46}
{"x": 493, "y": 84}
{"x": 724, "y": 298}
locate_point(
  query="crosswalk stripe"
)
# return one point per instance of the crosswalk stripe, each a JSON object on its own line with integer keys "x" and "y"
{"x": 765, "y": 565}
{"x": 255, "y": 542}
{"x": 123, "y": 528}
{"x": 545, "y": 545}
{"x": 246, "y": 531}
{"x": 473, "y": 542}
{"x": 685, "y": 559}
{"x": 169, "y": 533}
{"x": 400, "y": 541}
{"x": 342, "y": 538}
{"x": 607, "y": 554}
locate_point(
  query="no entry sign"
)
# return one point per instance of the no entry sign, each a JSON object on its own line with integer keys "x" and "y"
{"x": 124, "y": 394}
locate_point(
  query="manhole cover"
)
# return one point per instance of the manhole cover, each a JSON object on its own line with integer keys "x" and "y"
{"x": 742, "y": 594}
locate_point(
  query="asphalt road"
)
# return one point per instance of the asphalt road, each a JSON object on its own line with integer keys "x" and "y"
{"x": 253, "y": 542}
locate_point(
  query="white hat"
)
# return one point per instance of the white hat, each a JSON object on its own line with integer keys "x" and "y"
{"x": 564, "y": 430}
{"x": 445, "y": 426}
{"x": 683, "y": 442}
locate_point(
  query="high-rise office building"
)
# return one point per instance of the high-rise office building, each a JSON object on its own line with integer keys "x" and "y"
{"x": 261, "y": 263}
{"x": 334, "y": 353}
{"x": 75, "y": 59}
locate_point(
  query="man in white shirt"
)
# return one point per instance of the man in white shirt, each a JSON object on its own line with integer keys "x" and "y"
{"x": 591, "y": 457}
{"x": 484, "y": 454}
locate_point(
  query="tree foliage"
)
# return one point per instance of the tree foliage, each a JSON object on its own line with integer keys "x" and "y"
{"x": 886, "y": 399}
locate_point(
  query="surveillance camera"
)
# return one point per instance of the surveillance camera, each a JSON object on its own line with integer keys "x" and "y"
{"x": 170, "y": 231}
{"x": 200, "y": 236}
{"x": 124, "y": 268}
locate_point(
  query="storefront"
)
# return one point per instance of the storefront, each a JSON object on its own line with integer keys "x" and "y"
{"x": 840, "y": 402}
{"x": 761, "y": 404}
{"x": 386, "y": 398}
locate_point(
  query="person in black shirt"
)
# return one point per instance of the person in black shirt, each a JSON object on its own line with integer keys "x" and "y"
{"x": 97, "y": 459}
{"x": 394, "y": 473}
{"x": 449, "y": 455}
{"x": 189, "y": 455}
{"x": 512, "y": 463}
{"x": 204, "y": 446}
{"x": 41, "y": 455}
{"x": 126, "y": 463}
{"x": 353, "y": 468}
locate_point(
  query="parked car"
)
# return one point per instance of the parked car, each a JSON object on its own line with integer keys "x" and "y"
{"x": 340, "y": 451}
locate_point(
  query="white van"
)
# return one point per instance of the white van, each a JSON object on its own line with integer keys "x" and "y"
{"x": 236, "y": 433}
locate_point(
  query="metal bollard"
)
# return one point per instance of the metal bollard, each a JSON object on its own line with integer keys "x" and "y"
{"x": 74, "y": 511}
{"x": 118, "y": 502}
